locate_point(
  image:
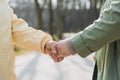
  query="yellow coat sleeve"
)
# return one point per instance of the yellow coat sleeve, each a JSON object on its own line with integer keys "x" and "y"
{"x": 28, "y": 37}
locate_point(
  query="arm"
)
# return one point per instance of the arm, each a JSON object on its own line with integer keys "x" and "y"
{"x": 28, "y": 37}
{"x": 104, "y": 30}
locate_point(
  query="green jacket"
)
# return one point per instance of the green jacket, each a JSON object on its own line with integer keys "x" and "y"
{"x": 103, "y": 37}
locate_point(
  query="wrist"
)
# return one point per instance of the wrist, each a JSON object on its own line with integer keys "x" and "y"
{"x": 46, "y": 46}
{"x": 72, "y": 50}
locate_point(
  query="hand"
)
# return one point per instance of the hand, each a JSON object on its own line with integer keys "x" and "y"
{"x": 51, "y": 49}
{"x": 64, "y": 48}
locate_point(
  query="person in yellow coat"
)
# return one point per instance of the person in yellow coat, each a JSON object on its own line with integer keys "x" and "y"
{"x": 16, "y": 30}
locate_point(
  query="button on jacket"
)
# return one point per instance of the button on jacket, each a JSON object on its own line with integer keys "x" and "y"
{"x": 16, "y": 30}
{"x": 103, "y": 37}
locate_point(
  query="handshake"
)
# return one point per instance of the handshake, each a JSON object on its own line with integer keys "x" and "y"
{"x": 59, "y": 50}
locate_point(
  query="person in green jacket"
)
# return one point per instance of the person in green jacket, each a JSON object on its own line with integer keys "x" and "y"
{"x": 101, "y": 37}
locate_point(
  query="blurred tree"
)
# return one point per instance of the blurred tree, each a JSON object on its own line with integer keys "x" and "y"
{"x": 51, "y": 18}
{"x": 95, "y": 7}
{"x": 39, "y": 14}
{"x": 39, "y": 10}
{"x": 62, "y": 13}
{"x": 58, "y": 16}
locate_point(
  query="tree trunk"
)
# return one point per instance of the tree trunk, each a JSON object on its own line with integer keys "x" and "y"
{"x": 50, "y": 18}
{"x": 60, "y": 18}
{"x": 39, "y": 14}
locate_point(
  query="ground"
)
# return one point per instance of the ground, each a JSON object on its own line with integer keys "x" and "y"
{"x": 37, "y": 66}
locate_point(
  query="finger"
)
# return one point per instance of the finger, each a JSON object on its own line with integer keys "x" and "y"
{"x": 54, "y": 56}
{"x": 60, "y": 59}
{"x": 57, "y": 57}
{"x": 53, "y": 49}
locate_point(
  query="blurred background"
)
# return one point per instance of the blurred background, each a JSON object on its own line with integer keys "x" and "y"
{"x": 61, "y": 19}
{"x": 57, "y": 16}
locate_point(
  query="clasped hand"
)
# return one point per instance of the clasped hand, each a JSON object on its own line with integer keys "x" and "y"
{"x": 59, "y": 50}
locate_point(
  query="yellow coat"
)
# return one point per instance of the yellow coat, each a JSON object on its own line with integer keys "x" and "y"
{"x": 15, "y": 30}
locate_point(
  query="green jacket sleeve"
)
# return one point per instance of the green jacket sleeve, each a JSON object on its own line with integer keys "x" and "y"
{"x": 103, "y": 31}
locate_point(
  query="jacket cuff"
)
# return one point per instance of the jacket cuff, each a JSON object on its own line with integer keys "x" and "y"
{"x": 79, "y": 45}
{"x": 44, "y": 41}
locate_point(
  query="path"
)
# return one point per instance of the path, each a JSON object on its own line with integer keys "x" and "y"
{"x": 35, "y": 66}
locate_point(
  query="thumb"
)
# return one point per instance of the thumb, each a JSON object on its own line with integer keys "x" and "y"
{"x": 54, "y": 48}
